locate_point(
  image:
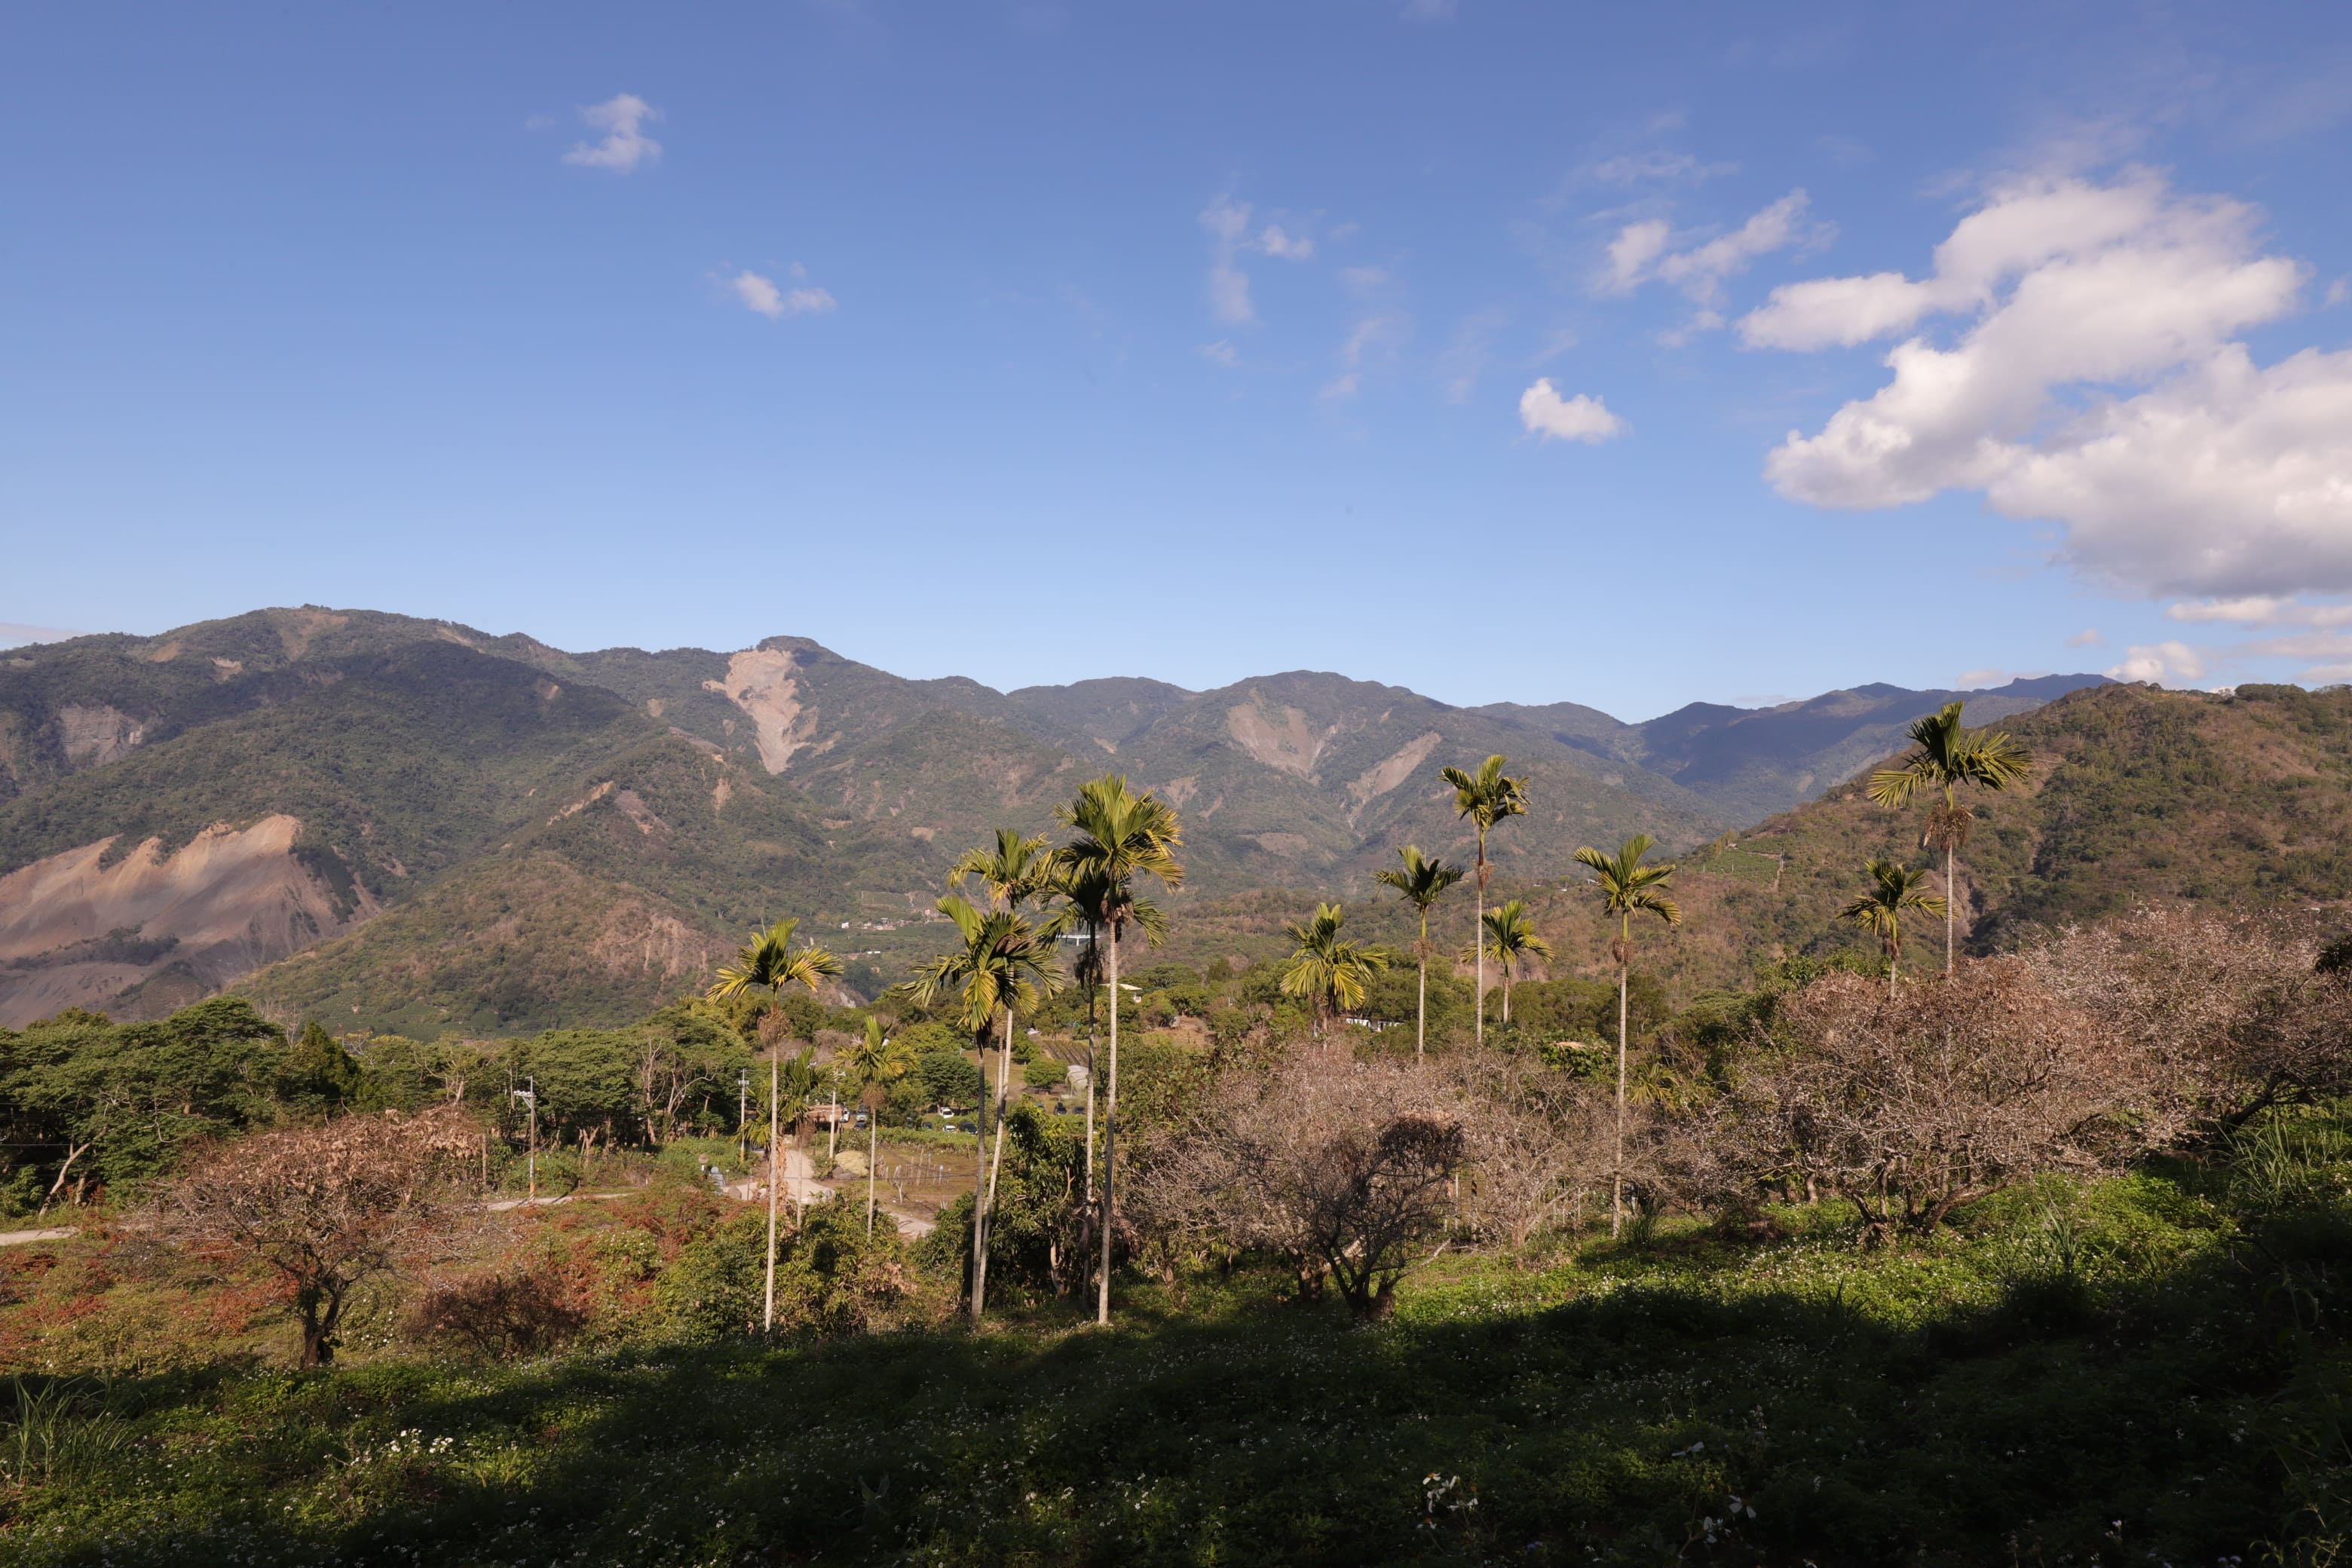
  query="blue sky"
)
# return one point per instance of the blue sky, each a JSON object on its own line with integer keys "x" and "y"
{"x": 1633, "y": 356}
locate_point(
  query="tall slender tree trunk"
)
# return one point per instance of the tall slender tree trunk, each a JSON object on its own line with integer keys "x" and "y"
{"x": 1420, "y": 1006}
{"x": 1617, "y": 1195}
{"x": 775, "y": 1167}
{"x": 1949, "y": 906}
{"x": 1110, "y": 1140}
{"x": 1090, "y": 1101}
{"x": 873, "y": 1144}
{"x": 996, "y": 1160}
{"x": 979, "y": 1188}
{"x": 1478, "y": 937}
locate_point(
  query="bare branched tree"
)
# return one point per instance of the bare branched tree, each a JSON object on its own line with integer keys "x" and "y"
{"x": 1908, "y": 1107}
{"x": 1538, "y": 1144}
{"x": 2238, "y": 1013}
{"x": 1344, "y": 1168}
{"x": 327, "y": 1207}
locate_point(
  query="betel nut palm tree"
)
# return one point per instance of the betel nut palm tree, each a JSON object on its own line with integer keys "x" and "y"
{"x": 1945, "y": 758}
{"x": 1083, "y": 901}
{"x": 879, "y": 1062}
{"x": 1014, "y": 870}
{"x": 770, "y": 962}
{"x": 1420, "y": 882}
{"x": 1327, "y": 971}
{"x": 1628, "y": 887}
{"x": 1509, "y": 938}
{"x": 1485, "y": 798}
{"x": 1894, "y": 887}
{"x": 1118, "y": 837}
{"x": 997, "y": 968}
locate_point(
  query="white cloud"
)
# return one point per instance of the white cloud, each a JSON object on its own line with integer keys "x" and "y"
{"x": 1981, "y": 679}
{"x": 1544, "y": 413}
{"x": 1700, "y": 272}
{"x": 2216, "y": 477}
{"x": 1645, "y": 250}
{"x": 1220, "y": 352}
{"x": 762, "y": 295}
{"x": 1637, "y": 245}
{"x": 2262, "y": 610}
{"x": 1364, "y": 281}
{"x": 2168, "y": 663}
{"x": 2088, "y": 638}
{"x": 1227, "y": 222}
{"x": 2339, "y": 290}
{"x": 625, "y": 145}
{"x": 1278, "y": 242}
{"x": 1373, "y": 337}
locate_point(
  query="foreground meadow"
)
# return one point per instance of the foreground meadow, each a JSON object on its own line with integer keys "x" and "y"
{"x": 2145, "y": 1369}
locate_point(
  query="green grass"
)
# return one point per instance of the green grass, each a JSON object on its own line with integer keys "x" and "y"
{"x": 2135, "y": 1373}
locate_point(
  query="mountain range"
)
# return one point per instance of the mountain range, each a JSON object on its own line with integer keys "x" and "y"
{"x": 410, "y": 824}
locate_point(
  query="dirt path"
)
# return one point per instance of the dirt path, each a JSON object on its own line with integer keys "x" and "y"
{"x": 18, "y": 1237}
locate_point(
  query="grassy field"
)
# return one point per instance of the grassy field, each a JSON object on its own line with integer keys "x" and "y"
{"x": 2146, "y": 1371}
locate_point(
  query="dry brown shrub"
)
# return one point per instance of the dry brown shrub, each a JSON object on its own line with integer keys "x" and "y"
{"x": 500, "y": 1315}
{"x": 1954, "y": 1089}
{"x": 2232, "y": 1010}
{"x": 1538, "y": 1144}
{"x": 1341, "y": 1167}
{"x": 325, "y": 1207}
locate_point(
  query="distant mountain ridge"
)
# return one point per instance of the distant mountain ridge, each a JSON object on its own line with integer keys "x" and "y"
{"x": 484, "y": 832}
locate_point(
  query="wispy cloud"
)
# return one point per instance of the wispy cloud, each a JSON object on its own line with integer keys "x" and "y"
{"x": 1231, "y": 238}
{"x": 1220, "y": 352}
{"x": 1648, "y": 250}
{"x": 625, "y": 145}
{"x": 2088, "y": 638}
{"x": 765, "y": 297}
{"x": 1227, "y": 222}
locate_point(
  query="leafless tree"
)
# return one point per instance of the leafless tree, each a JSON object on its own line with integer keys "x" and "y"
{"x": 2236, "y": 1012}
{"x": 1341, "y": 1167}
{"x": 1909, "y": 1107}
{"x": 1537, "y": 1144}
{"x": 327, "y": 1207}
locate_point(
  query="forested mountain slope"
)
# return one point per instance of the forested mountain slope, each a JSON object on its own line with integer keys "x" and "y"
{"x": 2137, "y": 795}
{"x": 488, "y": 832}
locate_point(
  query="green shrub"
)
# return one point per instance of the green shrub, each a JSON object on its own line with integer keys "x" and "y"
{"x": 831, "y": 1278}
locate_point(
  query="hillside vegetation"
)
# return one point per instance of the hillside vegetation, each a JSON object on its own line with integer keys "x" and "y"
{"x": 2138, "y": 796}
{"x": 439, "y": 783}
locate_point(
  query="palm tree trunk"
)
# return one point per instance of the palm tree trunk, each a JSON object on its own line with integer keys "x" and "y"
{"x": 1617, "y": 1195}
{"x": 1947, "y": 907}
{"x": 1421, "y": 1007}
{"x": 1090, "y": 1085}
{"x": 1478, "y": 938}
{"x": 996, "y": 1160}
{"x": 873, "y": 1142}
{"x": 1111, "y": 1139}
{"x": 1506, "y": 996}
{"x": 768, "y": 1320}
{"x": 979, "y": 1186}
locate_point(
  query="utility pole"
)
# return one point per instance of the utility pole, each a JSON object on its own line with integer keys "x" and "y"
{"x": 529, "y": 1095}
